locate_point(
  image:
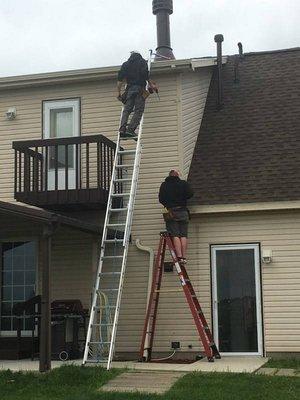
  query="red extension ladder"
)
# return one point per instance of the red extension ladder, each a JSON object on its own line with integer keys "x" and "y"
{"x": 205, "y": 335}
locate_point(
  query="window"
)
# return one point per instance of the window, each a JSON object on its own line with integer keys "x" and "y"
{"x": 18, "y": 280}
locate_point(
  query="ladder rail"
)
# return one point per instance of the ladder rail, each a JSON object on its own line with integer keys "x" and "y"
{"x": 146, "y": 337}
{"x": 136, "y": 169}
{"x": 100, "y": 262}
{"x": 115, "y": 180}
{"x": 203, "y": 329}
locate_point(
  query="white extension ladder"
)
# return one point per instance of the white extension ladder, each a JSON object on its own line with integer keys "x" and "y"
{"x": 107, "y": 293}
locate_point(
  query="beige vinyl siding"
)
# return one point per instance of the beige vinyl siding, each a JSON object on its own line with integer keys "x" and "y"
{"x": 194, "y": 90}
{"x": 278, "y": 231}
{"x": 160, "y": 154}
{"x": 73, "y": 259}
{"x": 73, "y": 264}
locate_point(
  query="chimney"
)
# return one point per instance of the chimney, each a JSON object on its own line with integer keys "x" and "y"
{"x": 219, "y": 39}
{"x": 162, "y": 9}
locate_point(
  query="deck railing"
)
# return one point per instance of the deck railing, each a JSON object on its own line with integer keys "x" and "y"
{"x": 69, "y": 165}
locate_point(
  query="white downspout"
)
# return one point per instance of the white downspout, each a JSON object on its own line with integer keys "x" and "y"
{"x": 150, "y": 277}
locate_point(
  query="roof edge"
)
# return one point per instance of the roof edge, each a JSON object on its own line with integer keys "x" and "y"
{"x": 91, "y": 74}
{"x": 43, "y": 216}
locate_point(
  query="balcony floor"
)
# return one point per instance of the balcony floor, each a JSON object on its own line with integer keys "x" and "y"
{"x": 72, "y": 199}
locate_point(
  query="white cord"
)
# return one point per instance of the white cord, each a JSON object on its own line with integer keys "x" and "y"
{"x": 165, "y": 358}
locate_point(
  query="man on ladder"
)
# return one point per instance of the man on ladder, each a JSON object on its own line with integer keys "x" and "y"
{"x": 135, "y": 73}
{"x": 173, "y": 195}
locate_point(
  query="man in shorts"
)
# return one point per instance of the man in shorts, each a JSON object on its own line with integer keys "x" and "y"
{"x": 173, "y": 195}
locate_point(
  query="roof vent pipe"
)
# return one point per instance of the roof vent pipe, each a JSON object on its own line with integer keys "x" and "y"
{"x": 219, "y": 39}
{"x": 240, "y": 46}
{"x": 162, "y": 9}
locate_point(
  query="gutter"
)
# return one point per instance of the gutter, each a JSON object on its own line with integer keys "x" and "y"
{"x": 245, "y": 207}
{"x": 99, "y": 74}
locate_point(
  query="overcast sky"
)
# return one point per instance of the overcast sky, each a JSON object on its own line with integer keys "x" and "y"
{"x": 53, "y": 35}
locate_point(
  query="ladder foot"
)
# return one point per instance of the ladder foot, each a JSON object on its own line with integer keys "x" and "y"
{"x": 217, "y": 357}
{"x": 199, "y": 357}
{"x": 210, "y": 359}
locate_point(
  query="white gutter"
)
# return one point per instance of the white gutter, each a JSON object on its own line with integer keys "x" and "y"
{"x": 150, "y": 276}
{"x": 102, "y": 73}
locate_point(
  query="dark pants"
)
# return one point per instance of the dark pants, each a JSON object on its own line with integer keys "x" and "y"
{"x": 134, "y": 102}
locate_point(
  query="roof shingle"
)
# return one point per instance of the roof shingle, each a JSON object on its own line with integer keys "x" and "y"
{"x": 250, "y": 150}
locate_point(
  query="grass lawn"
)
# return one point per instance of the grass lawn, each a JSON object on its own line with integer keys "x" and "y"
{"x": 287, "y": 363}
{"x": 77, "y": 383}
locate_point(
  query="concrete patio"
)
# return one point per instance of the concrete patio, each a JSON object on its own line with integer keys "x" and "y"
{"x": 237, "y": 364}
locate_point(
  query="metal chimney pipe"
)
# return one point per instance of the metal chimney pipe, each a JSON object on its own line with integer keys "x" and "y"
{"x": 219, "y": 39}
{"x": 240, "y": 46}
{"x": 162, "y": 9}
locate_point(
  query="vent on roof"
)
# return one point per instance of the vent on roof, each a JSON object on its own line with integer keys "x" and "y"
{"x": 162, "y": 9}
{"x": 219, "y": 39}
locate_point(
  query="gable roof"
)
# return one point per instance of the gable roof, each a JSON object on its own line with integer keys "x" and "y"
{"x": 249, "y": 151}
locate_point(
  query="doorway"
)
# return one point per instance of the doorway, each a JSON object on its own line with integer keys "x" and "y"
{"x": 236, "y": 292}
{"x": 61, "y": 118}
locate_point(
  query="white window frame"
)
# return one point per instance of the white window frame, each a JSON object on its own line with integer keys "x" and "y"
{"x": 251, "y": 246}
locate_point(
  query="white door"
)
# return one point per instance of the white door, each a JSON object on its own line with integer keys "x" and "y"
{"x": 61, "y": 119}
{"x": 236, "y": 289}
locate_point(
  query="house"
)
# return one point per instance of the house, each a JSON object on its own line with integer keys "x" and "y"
{"x": 240, "y": 157}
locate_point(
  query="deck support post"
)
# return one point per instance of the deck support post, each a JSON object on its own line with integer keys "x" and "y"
{"x": 45, "y": 336}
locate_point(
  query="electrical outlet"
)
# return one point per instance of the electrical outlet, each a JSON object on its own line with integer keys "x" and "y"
{"x": 175, "y": 345}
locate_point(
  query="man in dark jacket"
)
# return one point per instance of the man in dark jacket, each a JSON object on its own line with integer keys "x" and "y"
{"x": 173, "y": 195}
{"x": 134, "y": 72}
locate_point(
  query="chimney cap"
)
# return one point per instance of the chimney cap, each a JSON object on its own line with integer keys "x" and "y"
{"x": 162, "y": 5}
{"x": 219, "y": 38}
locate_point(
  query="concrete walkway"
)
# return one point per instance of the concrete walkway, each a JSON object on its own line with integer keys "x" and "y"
{"x": 226, "y": 364}
{"x": 142, "y": 381}
{"x": 278, "y": 372}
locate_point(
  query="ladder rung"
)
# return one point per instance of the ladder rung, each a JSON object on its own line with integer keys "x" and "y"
{"x": 123, "y": 180}
{"x": 126, "y": 151}
{"x": 111, "y": 257}
{"x": 113, "y": 241}
{"x": 107, "y": 324}
{"x": 110, "y": 273}
{"x": 118, "y": 209}
{"x": 120, "y": 194}
{"x": 118, "y": 224}
{"x": 168, "y": 290}
{"x": 124, "y": 166}
{"x": 99, "y": 342}
{"x": 103, "y": 307}
{"x": 108, "y": 290}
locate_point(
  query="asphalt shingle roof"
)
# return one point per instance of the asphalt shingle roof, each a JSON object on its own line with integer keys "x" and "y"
{"x": 250, "y": 150}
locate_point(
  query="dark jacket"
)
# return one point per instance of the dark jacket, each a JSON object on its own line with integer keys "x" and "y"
{"x": 174, "y": 192}
{"x": 134, "y": 71}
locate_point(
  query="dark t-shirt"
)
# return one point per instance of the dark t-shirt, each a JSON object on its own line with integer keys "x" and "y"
{"x": 135, "y": 72}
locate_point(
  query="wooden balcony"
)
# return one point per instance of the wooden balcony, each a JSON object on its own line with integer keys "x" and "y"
{"x": 64, "y": 173}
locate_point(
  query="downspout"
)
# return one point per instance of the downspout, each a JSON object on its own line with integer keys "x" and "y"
{"x": 150, "y": 275}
